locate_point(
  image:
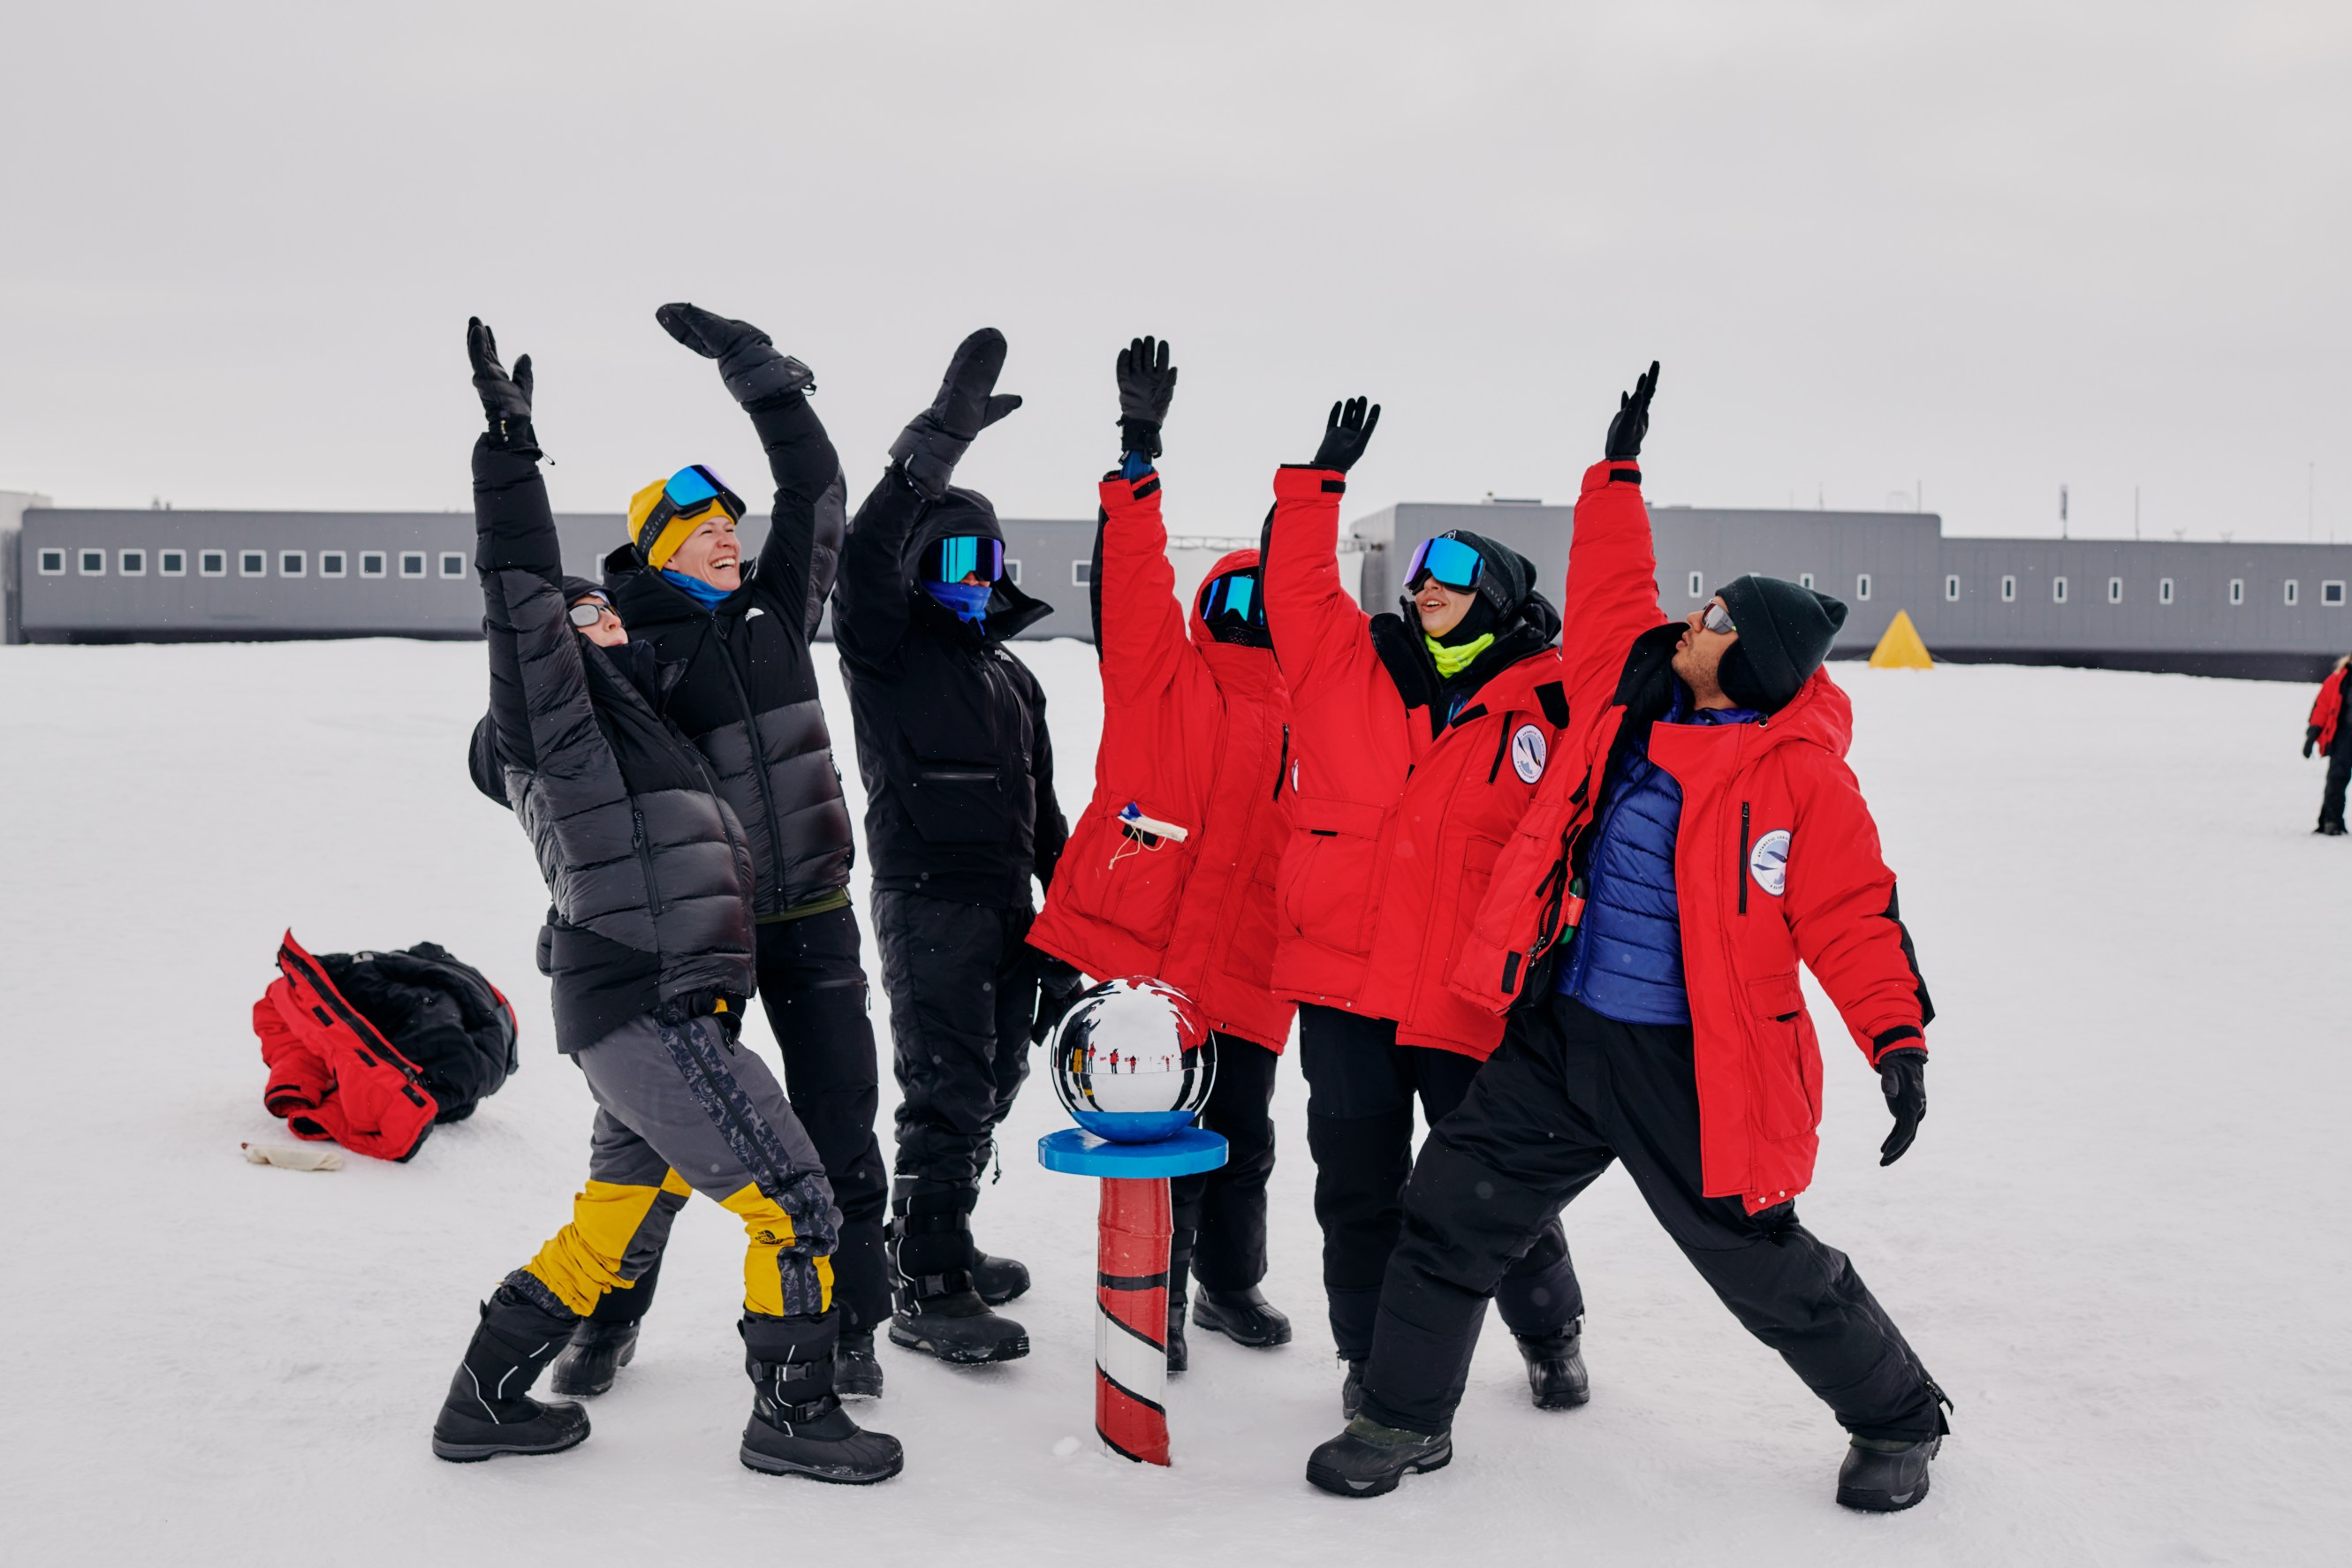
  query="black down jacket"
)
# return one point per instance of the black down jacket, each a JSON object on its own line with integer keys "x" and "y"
{"x": 952, "y": 736}
{"x": 748, "y": 698}
{"x": 443, "y": 1015}
{"x": 648, "y": 869}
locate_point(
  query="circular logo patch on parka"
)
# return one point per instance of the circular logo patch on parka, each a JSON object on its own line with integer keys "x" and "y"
{"x": 1528, "y": 753}
{"x": 1768, "y": 863}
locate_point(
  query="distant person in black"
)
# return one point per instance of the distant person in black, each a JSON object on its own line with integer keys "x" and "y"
{"x": 2330, "y": 733}
{"x": 960, "y": 814}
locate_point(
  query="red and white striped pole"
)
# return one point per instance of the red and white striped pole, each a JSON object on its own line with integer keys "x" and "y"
{"x": 1131, "y": 1318}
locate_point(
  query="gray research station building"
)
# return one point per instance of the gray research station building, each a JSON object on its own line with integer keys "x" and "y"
{"x": 2267, "y": 610}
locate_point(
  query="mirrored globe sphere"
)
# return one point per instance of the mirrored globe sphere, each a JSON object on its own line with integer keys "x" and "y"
{"x": 1133, "y": 1061}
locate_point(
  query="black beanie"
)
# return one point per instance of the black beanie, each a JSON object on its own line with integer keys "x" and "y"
{"x": 1785, "y": 632}
{"x": 576, "y": 589}
{"x": 1505, "y": 579}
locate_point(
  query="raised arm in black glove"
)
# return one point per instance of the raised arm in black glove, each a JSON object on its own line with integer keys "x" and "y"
{"x": 1902, "y": 1075}
{"x": 1346, "y": 433}
{"x": 1633, "y": 420}
{"x": 754, "y": 371}
{"x": 506, "y": 399}
{"x": 968, "y": 403}
{"x": 1146, "y": 383}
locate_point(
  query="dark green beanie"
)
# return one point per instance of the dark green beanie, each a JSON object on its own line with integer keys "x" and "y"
{"x": 1785, "y": 632}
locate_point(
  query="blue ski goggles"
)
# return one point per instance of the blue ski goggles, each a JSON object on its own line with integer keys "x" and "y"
{"x": 1235, "y": 594}
{"x": 1450, "y": 561}
{"x": 959, "y": 555}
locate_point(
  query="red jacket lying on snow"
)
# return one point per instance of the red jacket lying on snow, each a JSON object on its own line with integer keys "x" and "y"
{"x": 1777, "y": 860}
{"x": 1192, "y": 736}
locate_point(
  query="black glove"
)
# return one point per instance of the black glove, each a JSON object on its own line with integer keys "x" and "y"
{"x": 1059, "y": 986}
{"x": 506, "y": 399}
{"x": 2310, "y": 737}
{"x": 933, "y": 443}
{"x": 1346, "y": 433}
{"x": 758, "y": 375}
{"x": 1632, "y": 421}
{"x": 1146, "y": 383}
{"x": 1902, "y": 1075}
{"x": 807, "y": 1198}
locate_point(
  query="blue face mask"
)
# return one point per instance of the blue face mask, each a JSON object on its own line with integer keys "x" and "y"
{"x": 706, "y": 595}
{"x": 967, "y": 600}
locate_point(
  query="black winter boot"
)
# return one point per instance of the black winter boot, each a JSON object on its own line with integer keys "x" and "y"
{"x": 798, "y": 1427}
{"x": 1241, "y": 1316}
{"x": 856, "y": 1371}
{"x": 1369, "y": 1458}
{"x": 489, "y": 1410}
{"x": 998, "y": 1279}
{"x": 595, "y": 1354}
{"x": 2333, "y": 829}
{"x": 1884, "y": 1475}
{"x": 1352, "y": 1390}
{"x": 937, "y": 1311}
{"x": 1555, "y": 1375}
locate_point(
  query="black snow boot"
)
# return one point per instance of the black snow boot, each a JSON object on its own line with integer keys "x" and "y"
{"x": 798, "y": 1427}
{"x": 595, "y": 1356}
{"x": 856, "y": 1371}
{"x": 937, "y": 1309}
{"x": 1555, "y": 1375}
{"x": 1241, "y": 1316}
{"x": 2333, "y": 829}
{"x": 1885, "y": 1475}
{"x": 998, "y": 1279}
{"x": 1369, "y": 1458}
{"x": 489, "y": 1410}
{"x": 1352, "y": 1390}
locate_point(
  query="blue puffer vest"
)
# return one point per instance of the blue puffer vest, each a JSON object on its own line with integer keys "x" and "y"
{"x": 1627, "y": 960}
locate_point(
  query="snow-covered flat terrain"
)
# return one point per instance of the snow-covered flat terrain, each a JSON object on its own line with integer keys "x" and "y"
{"x": 2121, "y": 1242}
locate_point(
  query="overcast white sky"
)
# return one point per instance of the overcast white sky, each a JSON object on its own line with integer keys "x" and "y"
{"x": 1981, "y": 249}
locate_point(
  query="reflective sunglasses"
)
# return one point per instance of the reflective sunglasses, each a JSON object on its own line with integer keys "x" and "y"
{"x": 691, "y": 491}
{"x": 1450, "y": 561}
{"x": 949, "y": 559}
{"x": 1717, "y": 619}
{"x": 1234, "y": 593}
{"x": 588, "y": 611}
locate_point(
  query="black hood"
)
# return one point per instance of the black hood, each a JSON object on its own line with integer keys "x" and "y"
{"x": 968, "y": 514}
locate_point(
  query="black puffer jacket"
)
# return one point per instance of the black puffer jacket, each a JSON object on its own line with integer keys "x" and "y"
{"x": 748, "y": 698}
{"x": 951, "y": 737}
{"x": 649, "y": 871}
{"x": 442, "y": 1014}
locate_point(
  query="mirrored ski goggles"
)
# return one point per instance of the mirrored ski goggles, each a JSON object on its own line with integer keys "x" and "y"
{"x": 1450, "y": 561}
{"x": 1236, "y": 594}
{"x": 959, "y": 555}
{"x": 1715, "y": 618}
{"x": 586, "y": 613}
{"x": 690, "y": 491}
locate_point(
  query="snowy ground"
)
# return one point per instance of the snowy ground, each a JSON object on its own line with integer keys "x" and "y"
{"x": 2120, "y": 1242}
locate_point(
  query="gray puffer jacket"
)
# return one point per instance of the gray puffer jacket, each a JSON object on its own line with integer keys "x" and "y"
{"x": 649, "y": 871}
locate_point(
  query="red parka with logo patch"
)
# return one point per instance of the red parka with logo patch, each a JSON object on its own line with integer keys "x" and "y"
{"x": 1398, "y": 811}
{"x": 1192, "y": 737}
{"x": 1777, "y": 861}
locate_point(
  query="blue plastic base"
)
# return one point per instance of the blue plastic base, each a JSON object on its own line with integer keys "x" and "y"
{"x": 1078, "y": 1152}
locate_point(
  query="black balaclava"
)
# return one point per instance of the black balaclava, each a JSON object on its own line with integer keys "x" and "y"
{"x": 1785, "y": 632}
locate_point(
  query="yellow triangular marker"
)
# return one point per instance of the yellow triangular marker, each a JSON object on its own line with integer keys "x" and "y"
{"x": 1901, "y": 649}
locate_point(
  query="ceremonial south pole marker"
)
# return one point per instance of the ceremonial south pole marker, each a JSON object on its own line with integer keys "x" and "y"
{"x": 1132, "y": 1275}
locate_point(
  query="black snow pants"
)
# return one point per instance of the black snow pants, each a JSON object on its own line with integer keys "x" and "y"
{"x": 963, "y": 992}
{"x": 1218, "y": 1216}
{"x": 1360, "y": 1086}
{"x": 1569, "y": 1092}
{"x": 2339, "y": 773}
{"x": 813, "y": 988}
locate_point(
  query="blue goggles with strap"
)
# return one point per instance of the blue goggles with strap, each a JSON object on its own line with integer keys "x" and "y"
{"x": 690, "y": 491}
{"x": 1450, "y": 561}
{"x": 1235, "y": 594}
{"x": 952, "y": 559}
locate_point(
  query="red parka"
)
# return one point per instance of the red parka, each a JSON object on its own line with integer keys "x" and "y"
{"x": 1192, "y": 736}
{"x": 333, "y": 1074}
{"x": 2327, "y": 710}
{"x": 1777, "y": 860}
{"x": 1396, "y": 822}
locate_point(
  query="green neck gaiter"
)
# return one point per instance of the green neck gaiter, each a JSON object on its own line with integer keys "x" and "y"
{"x": 1452, "y": 662}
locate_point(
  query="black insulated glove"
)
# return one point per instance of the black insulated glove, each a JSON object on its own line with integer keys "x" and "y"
{"x": 934, "y": 442}
{"x": 2310, "y": 737}
{"x": 1146, "y": 383}
{"x": 1059, "y": 986}
{"x": 1632, "y": 421}
{"x": 506, "y": 399}
{"x": 1902, "y": 1075}
{"x": 1346, "y": 433}
{"x": 757, "y": 375}
{"x": 807, "y": 1199}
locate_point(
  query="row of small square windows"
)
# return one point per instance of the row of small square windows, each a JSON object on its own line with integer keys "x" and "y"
{"x": 2291, "y": 593}
{"x": 249, "y": 563}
